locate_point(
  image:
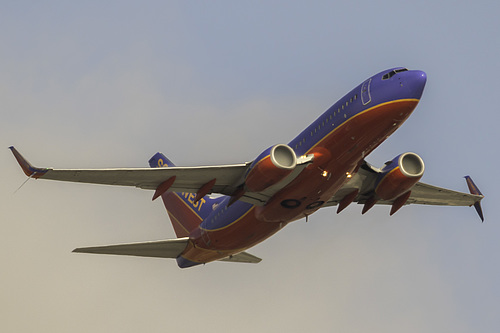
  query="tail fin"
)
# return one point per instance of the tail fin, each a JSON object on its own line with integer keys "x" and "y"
{"x": 159, "y": 160}
{"x": 184, "y": 213}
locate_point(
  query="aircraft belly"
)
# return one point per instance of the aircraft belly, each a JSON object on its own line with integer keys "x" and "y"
{"x": 211, "y": 245}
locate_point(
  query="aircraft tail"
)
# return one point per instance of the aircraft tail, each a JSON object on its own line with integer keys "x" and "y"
{"x": 185, "y": 214}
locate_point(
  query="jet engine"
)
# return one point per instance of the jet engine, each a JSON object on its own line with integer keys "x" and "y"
{"x": 399, "y": 175}
{"x": 270, "y": 167}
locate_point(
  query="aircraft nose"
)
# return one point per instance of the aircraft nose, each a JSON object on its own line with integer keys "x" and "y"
{"x": 416, "y": 83}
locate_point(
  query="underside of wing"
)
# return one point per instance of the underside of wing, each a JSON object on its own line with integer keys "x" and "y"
{"x": 221, "y": 179}
{"x": 361, "y": 189}
{"x": 425, "y": 194}
{"x": 170, "y": 248}
{"x": 421, "y": 194}
{"x": 187, "y": 179}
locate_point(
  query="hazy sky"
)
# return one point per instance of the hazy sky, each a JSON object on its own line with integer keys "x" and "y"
{"x": 108, "y": 84}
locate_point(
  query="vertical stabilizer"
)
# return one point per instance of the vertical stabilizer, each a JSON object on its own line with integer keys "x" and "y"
{"x": 184, "y": 211}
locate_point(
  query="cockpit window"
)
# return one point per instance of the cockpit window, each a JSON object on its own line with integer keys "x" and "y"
{"x": 393, "y": 72}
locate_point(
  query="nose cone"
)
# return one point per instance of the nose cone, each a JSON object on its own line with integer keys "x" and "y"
{"x": 416, "y": 83}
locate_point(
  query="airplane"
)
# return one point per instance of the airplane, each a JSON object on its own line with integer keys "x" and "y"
{"x": 219, "y": 212}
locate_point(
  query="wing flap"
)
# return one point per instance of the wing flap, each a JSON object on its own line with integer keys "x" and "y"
{"x": 170, "y": 248}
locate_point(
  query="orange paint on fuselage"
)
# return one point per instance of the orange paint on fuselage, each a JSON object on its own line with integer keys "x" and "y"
{"x": 339, "y": 152}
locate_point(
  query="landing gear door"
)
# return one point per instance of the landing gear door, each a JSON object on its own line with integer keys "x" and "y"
{"x": 365, "y": 92}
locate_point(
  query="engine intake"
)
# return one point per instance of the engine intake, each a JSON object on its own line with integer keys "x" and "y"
{"x": 399, "y": 175}
{"x": 270, "y": 167}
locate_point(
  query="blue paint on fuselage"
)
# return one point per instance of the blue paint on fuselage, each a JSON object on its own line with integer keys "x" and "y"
{"x": 402, "y": 85}
{"x": 223, "y": 215}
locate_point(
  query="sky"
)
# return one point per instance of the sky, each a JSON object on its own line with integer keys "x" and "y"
{"x": 107, "y": 84}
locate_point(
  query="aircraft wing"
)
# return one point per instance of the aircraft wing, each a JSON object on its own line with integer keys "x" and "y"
{"x": 423, "y": 194}
{"x": 222, "y": 179}
{"x": 187, "y": 179}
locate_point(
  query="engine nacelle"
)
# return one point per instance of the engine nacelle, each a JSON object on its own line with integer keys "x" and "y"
{"x": 399, "y": 175}
{"x": 270, "y": 167}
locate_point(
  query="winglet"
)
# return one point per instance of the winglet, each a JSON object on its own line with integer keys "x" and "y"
{"x": 29, "y": 170}
{"x": 475, "y": 190}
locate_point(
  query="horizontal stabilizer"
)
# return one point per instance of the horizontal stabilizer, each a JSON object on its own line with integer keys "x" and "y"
{"x": 170, "y": 248}
{"x": 243, "y": 257}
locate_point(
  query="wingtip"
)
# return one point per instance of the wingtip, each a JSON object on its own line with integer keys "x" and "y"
{"x": 28, "y": 168}
{"x": 472, "y": 186}
{"x": 479, "y": 210}
{"x": 475, "y": 190}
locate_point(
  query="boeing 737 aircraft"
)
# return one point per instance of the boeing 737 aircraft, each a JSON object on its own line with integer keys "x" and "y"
{"x": 323, "y": 166}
